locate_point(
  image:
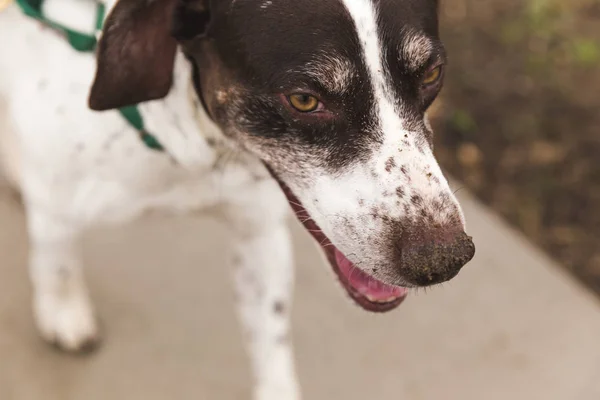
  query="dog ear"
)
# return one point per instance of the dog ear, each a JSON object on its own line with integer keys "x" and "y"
{"x": 136, "y": 54}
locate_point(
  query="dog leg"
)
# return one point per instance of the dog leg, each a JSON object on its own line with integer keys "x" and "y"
{"x": 264, "y": 276}
{"x": 61, "y": 303}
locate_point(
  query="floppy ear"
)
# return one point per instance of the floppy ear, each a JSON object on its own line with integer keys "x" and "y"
{"x": 135, "y": 55}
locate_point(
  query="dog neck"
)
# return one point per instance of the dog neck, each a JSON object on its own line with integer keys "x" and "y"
{"x": 183, "y": 127}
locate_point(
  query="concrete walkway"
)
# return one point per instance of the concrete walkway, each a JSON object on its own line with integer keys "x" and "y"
{"x": 512, "y": 326}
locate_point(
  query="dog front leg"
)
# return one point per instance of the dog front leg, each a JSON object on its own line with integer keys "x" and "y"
{"x": 264, "y": 275}
{"x": 62, "y": 306}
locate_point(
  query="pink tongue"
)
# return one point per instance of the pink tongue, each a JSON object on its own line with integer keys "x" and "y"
{"x": 365, "y": 284}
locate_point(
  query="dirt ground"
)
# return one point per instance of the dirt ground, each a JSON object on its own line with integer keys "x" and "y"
{"x": 519, "y": 118}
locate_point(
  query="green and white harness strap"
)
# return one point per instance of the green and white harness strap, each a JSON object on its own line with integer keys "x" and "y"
{"x": 87, "y": 43}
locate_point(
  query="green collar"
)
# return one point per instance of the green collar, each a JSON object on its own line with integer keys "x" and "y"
{"x": 79, "y": 41}
{"x": 133, "y": 116}
{"x": 87, "y": 43}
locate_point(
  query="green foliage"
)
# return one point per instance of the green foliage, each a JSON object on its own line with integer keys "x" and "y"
{"x": 463, "y": 122}
{"x": 585, "y": 52}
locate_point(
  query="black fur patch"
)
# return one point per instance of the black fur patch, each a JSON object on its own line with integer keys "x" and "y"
{"x": 266, "y": 51}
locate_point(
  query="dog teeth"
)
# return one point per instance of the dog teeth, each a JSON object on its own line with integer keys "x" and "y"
{"x": 380, "y": 301}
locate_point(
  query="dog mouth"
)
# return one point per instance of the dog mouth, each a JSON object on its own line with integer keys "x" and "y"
{"x": 367, "y": 291}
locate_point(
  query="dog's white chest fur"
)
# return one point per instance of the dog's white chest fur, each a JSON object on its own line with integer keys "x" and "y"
{"x": 95, "y": 163}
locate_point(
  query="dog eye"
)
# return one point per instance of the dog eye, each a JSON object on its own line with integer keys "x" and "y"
{"x": 432, "y": 76}
{"x": 303, "y": 102}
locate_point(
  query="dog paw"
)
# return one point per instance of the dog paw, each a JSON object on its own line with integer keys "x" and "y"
{"x": 67, "y": 323}
{"x": 277, "y": 392}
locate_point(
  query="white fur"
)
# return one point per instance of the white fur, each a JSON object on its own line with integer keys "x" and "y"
{"x": 62, "y": 306}
{"x": 334, "y": 72}
{"x": 264, "y": 287}
{"x": 77, "y": 168}
{"x": 266, "y": 4}
{"x": 415, "y": 50}
{"x": 79, "y": 15}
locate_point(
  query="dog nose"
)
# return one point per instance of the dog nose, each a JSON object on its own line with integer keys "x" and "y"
{"x": 429, "y": 259}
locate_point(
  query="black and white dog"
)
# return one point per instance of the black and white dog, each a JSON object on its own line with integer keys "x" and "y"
{"x": 323, "y": 100}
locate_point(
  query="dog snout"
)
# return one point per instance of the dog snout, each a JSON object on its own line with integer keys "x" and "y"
{"x": 430, "y": 257}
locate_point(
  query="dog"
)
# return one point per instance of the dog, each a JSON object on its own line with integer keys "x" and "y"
{"x": 258, "y": 105}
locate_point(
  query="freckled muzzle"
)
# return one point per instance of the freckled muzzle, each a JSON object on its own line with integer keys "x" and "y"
{"x": 418, "y": 257}
{"x": 367, "y": 291}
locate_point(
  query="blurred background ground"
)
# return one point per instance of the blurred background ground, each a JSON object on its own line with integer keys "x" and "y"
{"x": 509, "y": 328}
{"x": 519, "y": 120}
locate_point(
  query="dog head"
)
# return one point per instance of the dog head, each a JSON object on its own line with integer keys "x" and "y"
{"x": 332, "y": 96}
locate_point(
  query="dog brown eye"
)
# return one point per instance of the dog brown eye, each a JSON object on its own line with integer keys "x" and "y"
{"x": 304, "y": 102}
{"x": 432, "y": 76}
